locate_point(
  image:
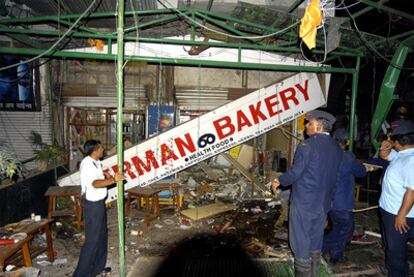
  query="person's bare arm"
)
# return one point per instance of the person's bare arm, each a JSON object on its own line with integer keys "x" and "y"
{"x": 407, "y": 204}
{"x": 108, "y": 180}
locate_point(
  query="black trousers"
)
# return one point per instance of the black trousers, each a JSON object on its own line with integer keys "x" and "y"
{"x": 396, "y": 259}
{"x": 92, "y": 259}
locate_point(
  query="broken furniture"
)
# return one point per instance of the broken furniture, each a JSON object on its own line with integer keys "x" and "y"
{"x": 30, "y": 228}
{"x": 146, "y": 194}
{"x": 243, "y": 171}
{"x": 66, "y": 191}
{"x": 173, "y": 186}
{"x": 206, "y": 211}
{"x": 35, "y": 227}
{"x": 8, "y": 251}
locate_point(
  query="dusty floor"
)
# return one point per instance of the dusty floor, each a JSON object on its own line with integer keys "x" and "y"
{"x": 146, "y": 247}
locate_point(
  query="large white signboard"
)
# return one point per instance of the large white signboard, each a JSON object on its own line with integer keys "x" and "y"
{"x": 215, "y": 132}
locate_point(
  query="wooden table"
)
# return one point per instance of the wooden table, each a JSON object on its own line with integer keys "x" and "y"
{"x": 145, "y": 193}
{"x": 41, "y": 226}
{"x": 11, "y": 249}
{"x": 172, "y": 185}
{"x": 31, "y": 228}
{"x": 65, "y": 191}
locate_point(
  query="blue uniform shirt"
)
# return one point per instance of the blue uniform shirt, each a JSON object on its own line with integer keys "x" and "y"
{"x": 398, "y": 177}
{"x": 314, "y": 172}
{"x": 345, "y": 187}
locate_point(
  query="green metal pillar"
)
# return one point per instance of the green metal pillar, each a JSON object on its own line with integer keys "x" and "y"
{"x": 119, "y": 130}
{"x": 48, "y": 74}
{"x": 355, "y": 77}
{"x": 386, "y": 96}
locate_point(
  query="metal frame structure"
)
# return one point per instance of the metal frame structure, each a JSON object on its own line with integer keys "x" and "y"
{"x": 16, "y": 28}
{"x": 12, "y": 27}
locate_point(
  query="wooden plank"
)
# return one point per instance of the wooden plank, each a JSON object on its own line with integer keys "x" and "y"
{"x": 238, "y": 166}
{"x": 243, "y": 171}
{"x": 64, "y": 191}
{"x": 208, "y": 211}
{"x": 207, "y": 169}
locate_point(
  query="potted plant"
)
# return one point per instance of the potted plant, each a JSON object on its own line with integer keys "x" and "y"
{"x": 10, "y": 167}
{"x": 45, "y": 153}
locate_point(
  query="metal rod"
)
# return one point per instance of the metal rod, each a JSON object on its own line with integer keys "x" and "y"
{"x": 177, "y": 61}
{"x": 7, "y": 31}
{"x": 266, "y": 29}
{"x": 42, "y": 19}
{"x": 380, "y": 6}
{"x": 79, "y": 27}
{"x": 51, "y": 109}
{"x": 355, "y": 77}
{"x": 119, "y": 130}
{"x": 294, "y": 5}
{"x": 152, "y": 23}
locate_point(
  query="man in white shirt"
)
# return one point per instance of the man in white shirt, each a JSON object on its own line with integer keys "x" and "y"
{"x": 94, "y": 184}
{"x": 397, "y": 197}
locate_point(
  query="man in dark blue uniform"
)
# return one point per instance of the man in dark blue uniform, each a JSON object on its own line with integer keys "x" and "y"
{"x": 341, "y": 214}
{"x": 313, "y": 176}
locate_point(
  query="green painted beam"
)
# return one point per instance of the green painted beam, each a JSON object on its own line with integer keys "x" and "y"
{"x": 193, "y": 27}
{"x": 62, "y": 4}
{"x": 26, "y": 40}
{"x": 366, "y": 9}
{"x": 274, "y": 48}
{"x": 402, "y": 35}
{"x": 119, "y": 132}
{"x": 361, "y": 12}
{"x": 355, "y": 78}
{"x": 267, "y": 29}
{"x": 295, "y": 5}
{"x": 175, "y": 61}
{"x": 379, "y": 5}
{"x": 79, "y": 27}
{"x": 210, "y": 4}
{"x": 221, "y": 25}
{"x": 211, "y": 17}
{"x": 52, "y": 18}
{"x": 151, "y": 23}
{"x": 386, "y": 96}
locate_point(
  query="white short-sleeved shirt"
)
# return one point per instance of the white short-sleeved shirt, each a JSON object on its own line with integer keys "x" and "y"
{"x": 398, "y": 177}
{"x": 91, "y": 170}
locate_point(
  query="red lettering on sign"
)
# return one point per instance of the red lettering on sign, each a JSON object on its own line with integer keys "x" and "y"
{"x": 242, "y": 120}
{"x": 189, "y": 145}
{"x": 285, "y": 98}
{"x": 139, "y": 164}
{"x": 127, "y": 170}
{"x": 222, "y": 124}
{"x": 167, "y": 154}
{"x": 272, "y": 102}
{"x": 304, "y": 90}
{"x": 256, "y": 112}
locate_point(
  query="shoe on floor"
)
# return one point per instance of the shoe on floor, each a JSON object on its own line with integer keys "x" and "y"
{"x": 106, "y": 271}
{"x": 339, "y": 260}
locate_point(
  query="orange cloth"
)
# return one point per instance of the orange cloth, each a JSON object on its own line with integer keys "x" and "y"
{"x": 99, "y": 44}
{"x": 309, "y": 22}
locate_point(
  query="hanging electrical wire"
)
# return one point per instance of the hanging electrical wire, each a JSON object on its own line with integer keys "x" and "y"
{"x": 171, "y": 7}
{"x": 372, "y": 48}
